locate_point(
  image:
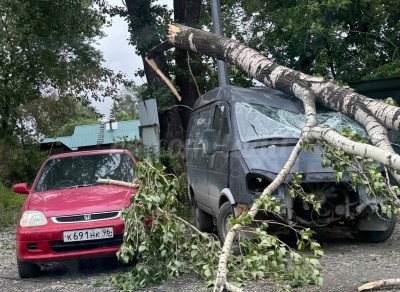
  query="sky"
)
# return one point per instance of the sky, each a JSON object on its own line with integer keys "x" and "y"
{"x": 119, "y": 55}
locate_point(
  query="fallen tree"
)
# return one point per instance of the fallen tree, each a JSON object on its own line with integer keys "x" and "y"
{"x": 376, "y": 116}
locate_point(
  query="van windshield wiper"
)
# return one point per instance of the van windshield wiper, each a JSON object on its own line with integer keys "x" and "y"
{"x": 272, "y": 139}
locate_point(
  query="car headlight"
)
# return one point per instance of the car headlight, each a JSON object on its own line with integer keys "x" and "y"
{"x": 32, "y": 218}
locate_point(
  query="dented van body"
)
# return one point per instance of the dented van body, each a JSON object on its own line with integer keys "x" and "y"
{"x": 239, "y": 139}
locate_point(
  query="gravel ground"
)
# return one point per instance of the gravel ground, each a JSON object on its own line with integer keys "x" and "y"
{"x": 346, "y": 265}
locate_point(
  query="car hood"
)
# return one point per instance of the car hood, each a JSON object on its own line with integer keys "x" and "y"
{"x": 271, "y": 159}
{"x": 83, "y": 200}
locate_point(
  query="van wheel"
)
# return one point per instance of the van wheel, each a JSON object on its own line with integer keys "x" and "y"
{"x": 27, "y": 270}
{"x": 224, "y": 215}
{"x": 223, "y": 226}
{"x": 202, "y": 220}
{"x": 376, "y": 236}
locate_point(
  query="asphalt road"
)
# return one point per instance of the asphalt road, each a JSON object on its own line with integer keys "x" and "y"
{"x": 346, "y": 265}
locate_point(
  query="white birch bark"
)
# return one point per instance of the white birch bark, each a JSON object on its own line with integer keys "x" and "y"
{"x": 379, "y": 284}
{"x": 374, "y": 115}
{"x": 220, "y": 281}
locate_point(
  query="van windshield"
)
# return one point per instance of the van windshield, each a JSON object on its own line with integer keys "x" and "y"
{"x": 260, "y": 122}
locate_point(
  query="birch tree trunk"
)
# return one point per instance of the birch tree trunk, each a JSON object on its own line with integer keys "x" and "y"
{"x": 374, "y": 115}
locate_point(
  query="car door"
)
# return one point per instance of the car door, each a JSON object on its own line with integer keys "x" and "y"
{"x": 218, "y": 162}
{"x": 198, "y": 169}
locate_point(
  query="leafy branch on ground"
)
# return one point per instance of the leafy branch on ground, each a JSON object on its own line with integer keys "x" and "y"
{"x": 163, "y": 245}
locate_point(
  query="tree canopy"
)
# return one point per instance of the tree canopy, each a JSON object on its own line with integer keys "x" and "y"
{"x": 47, "y": 47}
{"x": 345, "y": 39}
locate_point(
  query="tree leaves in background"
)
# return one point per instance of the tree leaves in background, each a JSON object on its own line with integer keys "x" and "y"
{"x": 47, "y": 48}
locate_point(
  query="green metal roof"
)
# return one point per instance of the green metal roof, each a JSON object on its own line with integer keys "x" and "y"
{"x": 378, "y": 88}
{"x": 123, "y": 132}
{"x": 89, "y": 135}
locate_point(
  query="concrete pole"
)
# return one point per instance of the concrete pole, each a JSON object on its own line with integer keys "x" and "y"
{"x": 222, "y": 67}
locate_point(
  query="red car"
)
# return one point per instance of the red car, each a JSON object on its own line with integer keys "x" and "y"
{"x": 68, "y": 215}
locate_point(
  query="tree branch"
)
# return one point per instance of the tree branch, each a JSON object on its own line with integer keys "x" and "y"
{"x": 379, "y": 284}
{"x": 220, "y": 281}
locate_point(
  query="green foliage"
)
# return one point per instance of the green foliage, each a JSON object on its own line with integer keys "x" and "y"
{"x": 10, "y": 206}
{"x": 54, "y": 116}
{"x": 19, "y": 163}
{"x": 391, "y": 69}
{"x": 365, "y": 172}
{"x": 147, "y": 22}
{"x": 267, "y": 256}
{"x": 170, "y": 246}
{"x": 68, "y": 128}
{"x": 390, "y": 101}
{"x": 174, "y": 163}
{"x": 343, "y": 39}
{"x": 296, "y": 191}
{"x": 46, "y": 48}
{"x": 125, "y": 104}
{"x": 166, "y": 247}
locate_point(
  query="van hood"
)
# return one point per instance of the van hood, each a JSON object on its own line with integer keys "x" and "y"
{"x": 271, "y": 159}
{"x": 83, "y": 200}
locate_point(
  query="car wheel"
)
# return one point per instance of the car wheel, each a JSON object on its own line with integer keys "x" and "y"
{"x": 376, "y": 236}
{"x": 202, "y": 220}
{"x": 27, "y": 270}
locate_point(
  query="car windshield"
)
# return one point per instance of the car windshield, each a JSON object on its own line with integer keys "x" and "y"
{"x": 260, "y": 122}
{"x": 80, "y": 171}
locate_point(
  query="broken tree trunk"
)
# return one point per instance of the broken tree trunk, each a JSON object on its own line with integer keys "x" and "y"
{"x": 374, "y": 115}
{"x": 370, "y": 113}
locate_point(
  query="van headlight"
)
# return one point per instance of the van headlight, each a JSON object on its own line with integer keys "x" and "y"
{"x": 256, "y": 184}
{"x": 32, "y": 218}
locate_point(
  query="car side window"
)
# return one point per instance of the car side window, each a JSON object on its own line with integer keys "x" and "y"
{"x": 221, "y": 124}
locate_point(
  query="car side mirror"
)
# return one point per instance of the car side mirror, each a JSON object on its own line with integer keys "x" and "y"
{"x": 21, "y": 188}
{"x": 209, "y": 137}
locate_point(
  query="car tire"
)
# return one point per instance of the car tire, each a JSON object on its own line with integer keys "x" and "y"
{"x": 27, "y": 270}
{"x": 376, "y": 236}
{"x": 202, "y": 220}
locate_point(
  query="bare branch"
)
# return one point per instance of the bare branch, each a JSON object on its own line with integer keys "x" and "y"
{"x": 379, "y": 284}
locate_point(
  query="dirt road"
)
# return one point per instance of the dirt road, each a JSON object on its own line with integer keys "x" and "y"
{"x": 346, "y": 265}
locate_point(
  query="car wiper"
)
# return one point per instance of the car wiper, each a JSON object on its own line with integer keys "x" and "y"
{"x": 272, "y": 139}
{"x": 80, "y": 186}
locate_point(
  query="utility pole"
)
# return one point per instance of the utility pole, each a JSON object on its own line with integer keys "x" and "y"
{"x": 222, "y": 67}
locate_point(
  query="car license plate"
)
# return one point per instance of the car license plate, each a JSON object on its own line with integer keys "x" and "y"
{"x": 88, "y": 234}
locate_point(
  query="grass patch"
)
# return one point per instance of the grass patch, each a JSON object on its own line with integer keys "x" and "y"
{"x": 10, "y": 206}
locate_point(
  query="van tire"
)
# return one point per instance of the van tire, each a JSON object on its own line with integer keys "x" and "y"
{"x": 224, "y": 214}
{"x": 27, "y": 270}
{"x": 376, "y": 236}
{"x": 202, "y": 221}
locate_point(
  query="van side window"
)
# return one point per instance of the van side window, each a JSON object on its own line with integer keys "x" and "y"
{"x": 220, "y": 123}
{"x": 191, "y": 127}
{"x": 202, "y": 123}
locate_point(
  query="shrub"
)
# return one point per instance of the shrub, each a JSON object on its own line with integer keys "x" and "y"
{"x": 19, "y": 163}
{"x": 10, "y": 206}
